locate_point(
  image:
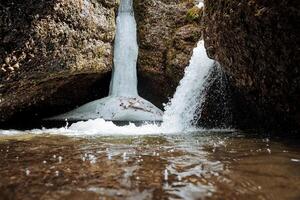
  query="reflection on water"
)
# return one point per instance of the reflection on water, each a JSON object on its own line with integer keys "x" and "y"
{"x": 201, "y": 165}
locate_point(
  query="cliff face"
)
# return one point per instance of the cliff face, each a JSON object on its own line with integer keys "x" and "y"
{"x": 257, "y": 44}
{"x": 168, "y": 30}
{"x": 54, "y": 54}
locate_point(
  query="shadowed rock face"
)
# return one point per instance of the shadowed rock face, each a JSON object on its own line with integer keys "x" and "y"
{"x": 54, "y": 55}
{"x": 217, "y": 108}
{"x": 257, "y": 44}
{"x": 166, "y": 37}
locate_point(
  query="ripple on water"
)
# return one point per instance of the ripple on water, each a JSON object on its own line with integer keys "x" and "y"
{"x": 187, "y": 166}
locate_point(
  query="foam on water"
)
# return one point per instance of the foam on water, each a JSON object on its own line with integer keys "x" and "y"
{"x": 97, "y": 127}
{"x": 101, "y": 127}
{"x": 92, "y": 127}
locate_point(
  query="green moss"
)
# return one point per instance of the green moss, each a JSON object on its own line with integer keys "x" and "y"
{"x": 100, "y": 52}
{"x": 194, "y": 13}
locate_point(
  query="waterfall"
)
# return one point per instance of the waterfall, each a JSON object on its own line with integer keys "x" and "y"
{"x": 123, "y": 102}
{"x": 179, "y": 116}
{"x": 180, "y": 111}
{"x": 124, "y": 78}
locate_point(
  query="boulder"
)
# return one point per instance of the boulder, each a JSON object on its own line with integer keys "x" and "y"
{"x": 257, "y": 45}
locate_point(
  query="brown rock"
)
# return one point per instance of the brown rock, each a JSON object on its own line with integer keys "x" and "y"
{"x": 257, "y": 44}
{"x": 65, "y": 50}
{"x": 166, "y": 38}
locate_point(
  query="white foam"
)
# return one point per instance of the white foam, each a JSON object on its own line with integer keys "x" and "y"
{"x": 99, "y": 127}
{"x": 93, "y": 127}
{"x": 102, "y": 127}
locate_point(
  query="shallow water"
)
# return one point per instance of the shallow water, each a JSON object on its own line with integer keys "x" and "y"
{"x": 200, "y": 165}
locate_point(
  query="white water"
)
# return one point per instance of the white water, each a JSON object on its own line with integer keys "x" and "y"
{"x": 180, "y": 112}
{"x": 124, "y": 79}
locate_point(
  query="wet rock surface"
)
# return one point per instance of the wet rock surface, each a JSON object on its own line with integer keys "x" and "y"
{"x": 257, "y": 44}
{"x": 54, "y": 55}
{"x": 217, "y": 108}
{"x": 168, "y": 31}
{"x": 202, "y": 165}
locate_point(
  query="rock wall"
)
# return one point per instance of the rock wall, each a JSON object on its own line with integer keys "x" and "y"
{"x": 168, "y": 30}
{"x": 217, "y": 108}
{"x": 54, "y": 55}
{"x": 257, "y": 44}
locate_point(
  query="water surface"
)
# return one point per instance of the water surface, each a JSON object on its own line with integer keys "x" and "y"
{"x": 200, "y": 165}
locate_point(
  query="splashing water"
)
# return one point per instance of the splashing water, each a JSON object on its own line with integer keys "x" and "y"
{"x": 180, "y": 111}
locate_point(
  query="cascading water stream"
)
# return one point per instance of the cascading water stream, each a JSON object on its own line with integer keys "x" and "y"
{"x": 124, "y": 78}
{"x": 181, "y": 110}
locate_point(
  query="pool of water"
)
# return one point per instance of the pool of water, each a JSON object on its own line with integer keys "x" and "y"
{"x": 199, "y": 165}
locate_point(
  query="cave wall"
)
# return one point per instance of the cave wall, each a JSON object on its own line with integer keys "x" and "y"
{"x": 257, "y": 45}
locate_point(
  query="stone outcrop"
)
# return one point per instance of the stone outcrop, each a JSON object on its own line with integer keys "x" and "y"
{"x": 54, "y": 55}
{"x": 168, "y": 30}
{"x": 257, "y": 44}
